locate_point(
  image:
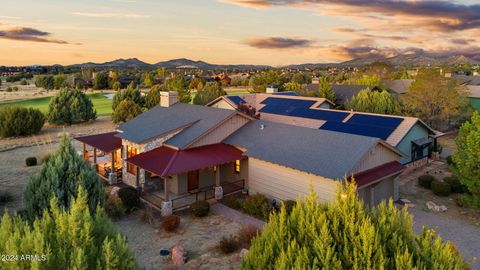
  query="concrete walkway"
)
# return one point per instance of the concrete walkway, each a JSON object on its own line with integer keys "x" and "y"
{"x": 237, "y": 216}
{"x": 432, "y": 167}
{"x": 465, "y": 236}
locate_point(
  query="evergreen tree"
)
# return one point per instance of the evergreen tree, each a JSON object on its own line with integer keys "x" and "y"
{"x": 19, "y": 121}
{"x": 70, "y": 106}
{"x": 60, "y": 176}
{"x": 179, "y": 85}
{"x": 152, "y": 98}
{"x": 133, "y": 95}
{"x": 344, "y": 235}
{"x": 325, "y": 90}
{"x": 69, "y": 238}
{"x": 210, "y": 91}
{"x": 467, "y": 157}
{"x": 126, "y": 111}
{"x": 100, "y": 81}
{"x": 374, "y": 102}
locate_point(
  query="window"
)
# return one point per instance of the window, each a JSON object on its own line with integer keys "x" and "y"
{"x": 237, "y": 166}
{"x": 417, "y": 152}
{"x": 131, "y": 151}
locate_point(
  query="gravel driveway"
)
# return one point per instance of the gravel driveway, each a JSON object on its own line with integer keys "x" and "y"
{"x": 465, "y": 236}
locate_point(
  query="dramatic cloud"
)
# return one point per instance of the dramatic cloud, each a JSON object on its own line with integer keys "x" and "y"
{"x": 278, "y": 42}
{"x": 112, "y": 15}
{"x": 29, "y": 34}
{"x": 441, "y": 15}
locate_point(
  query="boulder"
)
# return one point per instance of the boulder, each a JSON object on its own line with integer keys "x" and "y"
{"x": 114, "y": 191}
{"x": 432, "y": 206}
{"x": 179, "y": 255}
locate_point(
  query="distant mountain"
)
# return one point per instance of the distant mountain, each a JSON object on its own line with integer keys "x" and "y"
{"x": 119, "y": 63}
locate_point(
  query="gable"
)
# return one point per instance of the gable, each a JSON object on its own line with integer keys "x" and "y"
{"x": 377, "y": 156}
{"x": 222, "y": 104}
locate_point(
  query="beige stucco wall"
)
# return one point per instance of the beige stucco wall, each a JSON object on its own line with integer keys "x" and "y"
{"x": 222, "y": 131}
{"x": 284, "y": 183}
{"x": 222, "y": 104}
{"x": 377, "y": 156}
{"x": 291, "y": 120}
{"x": 374, "y": 194}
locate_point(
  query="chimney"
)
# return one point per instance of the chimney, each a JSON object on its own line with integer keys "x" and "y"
{"x": 168, "y": 98}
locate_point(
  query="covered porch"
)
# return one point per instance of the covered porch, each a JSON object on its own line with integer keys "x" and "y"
{"x": 104, "y": 152}
{"x": 174, "y": 178}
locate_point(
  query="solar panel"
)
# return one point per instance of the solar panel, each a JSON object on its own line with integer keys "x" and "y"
{"x": 364, "y": 130}
{"x": 375, "y": 120}
{"x": 301, "y": 103}
{"x": 236, "y": 99}
{"x": 288, "y": 93}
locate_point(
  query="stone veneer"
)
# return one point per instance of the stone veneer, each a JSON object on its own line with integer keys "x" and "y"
{"x": 129, "y": 178}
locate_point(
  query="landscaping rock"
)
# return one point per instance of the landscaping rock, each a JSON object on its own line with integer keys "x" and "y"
{"x": 179, "y": 255}
{"x": 442, "y": 208}
{"x": 432, "y": 206}
{"x": 114, "y": 191}
{"x": 243, "y": 252}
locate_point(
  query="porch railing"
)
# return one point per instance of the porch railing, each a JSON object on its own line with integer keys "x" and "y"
{"x": 233, "y": 187}
{"x": 204, "y": 194}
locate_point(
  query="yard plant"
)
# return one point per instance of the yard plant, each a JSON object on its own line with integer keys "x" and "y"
{"x": 31, "y": 161}
{"x": 70, "y": 106}
{"x": 343, "y": 234}
{"x": 441, "y": 188}
{"x": 170, "y": 223}
{"x": 200, "y": 208}
{"x": 130, "y": 197}
{"x": 18, "y": 121}
{"x": 426, "y": 180}
{"x": 257, "y": 205}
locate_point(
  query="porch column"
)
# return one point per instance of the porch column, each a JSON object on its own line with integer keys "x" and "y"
{"x": 167, "y": 205}
{"x": 165, "y": 188}
{"x": 95, "y": 156}
{"x": 218, "y": 187}
{"x": 84, "y": 154}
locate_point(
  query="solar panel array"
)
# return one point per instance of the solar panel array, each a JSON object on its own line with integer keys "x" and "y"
{"x": 287, "y": 93}
{"x": 359, "y": 124}
{"x": 236, "y": 99}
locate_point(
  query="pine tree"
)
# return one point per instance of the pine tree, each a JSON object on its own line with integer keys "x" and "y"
{"x": 70, "y": 106}
{"x": 74, "y": 238}
{"x": 325, "y": 90}
{"x": 60, "y": 176}
{"x": 344, "y": 235}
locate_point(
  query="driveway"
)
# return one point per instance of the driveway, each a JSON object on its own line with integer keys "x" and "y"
{"x": 465, "y": 236}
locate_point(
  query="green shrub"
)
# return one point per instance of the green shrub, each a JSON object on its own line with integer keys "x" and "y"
{"x": 132, "y": 95}
{"x": 31, "y": 161}
{"x": 234, "y": 202}
{"x": 228, "y": 245}
{"x": 130, "y": 197}
{"x": 257, "y": 205}
{"x": 9, "y": 89}
{"x": 19, "y": 121}
{"x": 425, "y": 180}
{"x": 289, "y": 205}
{"x": 455, "y": 184}
{"x": 170, "y": 223}
{"x": 440, "y": 188}
{"x": 5, "y": 196}
{"x": 70, "y": 106}
{"x": 15, "y": 88}
{"x": 246, "y": 234}
{"x": 114, "y": 207}
{"x": 469, "y": 201}
{"x": 126, "y": 111}
{"x": 200, "y": 208}
{"x": 450, "y": 160}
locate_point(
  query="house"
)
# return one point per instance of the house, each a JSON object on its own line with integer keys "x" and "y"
{"x": 409, "y": 135}
{"x": 474, "y": 95}
{"x": 398, "y": 87}
{"x": 177, "y": 153}
{"x": 343, "y": 92}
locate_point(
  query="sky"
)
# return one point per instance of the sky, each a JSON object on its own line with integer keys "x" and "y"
{"x": 272, "y": 32}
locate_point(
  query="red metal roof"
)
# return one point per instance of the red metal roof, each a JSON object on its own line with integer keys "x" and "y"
{"x": 374, "y": 174}
{"x": 106, "y": 142}
{"x": 165, "y": 161}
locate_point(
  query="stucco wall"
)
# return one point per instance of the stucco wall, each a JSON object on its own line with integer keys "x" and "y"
{"x": 222, "y": 104}
{"x": 475, "y": 103}
{"x": 405, "y": 145}
{"x": 222, "y": 131}
{"x": 377, "y": 156}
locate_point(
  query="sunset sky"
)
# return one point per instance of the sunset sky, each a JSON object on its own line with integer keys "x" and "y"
{"x": 274, "y": 32}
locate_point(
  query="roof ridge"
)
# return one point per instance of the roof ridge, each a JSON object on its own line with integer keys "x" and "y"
{"x": 170, "y": 163}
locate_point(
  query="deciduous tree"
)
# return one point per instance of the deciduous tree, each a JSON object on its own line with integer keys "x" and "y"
{"x": 100, "y": 81}
{"x": 374, "y": 102}
{"x": 210, "y": 91}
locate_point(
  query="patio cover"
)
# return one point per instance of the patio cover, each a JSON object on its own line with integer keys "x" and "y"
{"x": 165, "y": 161}
{"x": 106, "y": 142}
{"x": 378, "y": 173}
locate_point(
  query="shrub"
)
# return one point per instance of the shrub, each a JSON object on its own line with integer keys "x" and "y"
{"x": 467, "y": 200}
{"x": 450, "y": 160}
{"x": 200, "y": 208}
{"x": 425, "y": 180}
{"x": 5, "y": 196}
{"x": 246, "y": 234}
{"x": 440, "y": 188}
{"x": 228, "y": 245}
{"x": 289, "y": 205}
{"x": 170, "y": 223}
{"x": 257, "y": 205}
{"x": 114, "y": 207}
{"x": 455, "y": 184}
{"x": 146, "y": 214}
{"x": 31, "y": 161}
{"x": 130, "y": 197}
{"x": 234, "y": 202}
{"x": 126, "y": 111}
{"x": 9, "y": 89}
{"x": 133, "y": 95}
{"x": 15, "y": 88}
{"x": 70, "y": 106}
{"x": 19, "y": 121}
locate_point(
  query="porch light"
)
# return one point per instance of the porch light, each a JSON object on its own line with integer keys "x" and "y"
{"x": 237, "y": 166}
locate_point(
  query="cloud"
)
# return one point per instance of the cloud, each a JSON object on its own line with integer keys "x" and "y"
{"x": 29, "y": 34}
{"x": 441, "y": 15}
{"x": 112, "y": 15}
{"x": 278, "y": 42}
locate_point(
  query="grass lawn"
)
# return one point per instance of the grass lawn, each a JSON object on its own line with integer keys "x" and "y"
{"x": 238, "y": 92}
{"x": 102, "y": 104}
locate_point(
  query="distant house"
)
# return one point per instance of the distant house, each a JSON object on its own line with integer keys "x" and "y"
{"x": 177, "y": 153}
{"x": 409, "y": 135}
{"x": 398, "y": 87}
{"x": 467, "y": 80}
{"x": 222, "y": 78}
{"x": 343, "y": 92}
{"x": 474, "y": 95}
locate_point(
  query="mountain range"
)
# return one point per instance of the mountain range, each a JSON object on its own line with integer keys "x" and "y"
{"x": 399, "y": 60}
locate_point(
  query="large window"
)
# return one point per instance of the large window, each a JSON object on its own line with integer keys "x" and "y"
{"x": 237, "y": 166}
{"x": 131, "y": 151}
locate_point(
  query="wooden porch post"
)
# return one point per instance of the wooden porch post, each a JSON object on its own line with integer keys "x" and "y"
{"x": 165, "y": 188}
{"x": 95, "y": 156}
{"x": 84, "y": 154}
{"x": 113, "y": 160}
{"x": 217, "y": 176}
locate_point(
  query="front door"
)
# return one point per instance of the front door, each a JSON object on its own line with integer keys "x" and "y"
{"x": 192, "y": 180}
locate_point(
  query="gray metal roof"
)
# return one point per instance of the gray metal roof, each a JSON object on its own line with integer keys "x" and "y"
{"x": 320, "y": 152}
{"x": 195, "y": 120}
{"x": 398, "y": 86}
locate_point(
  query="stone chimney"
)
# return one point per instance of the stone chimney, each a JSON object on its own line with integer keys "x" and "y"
{"x": 168, "y": 98}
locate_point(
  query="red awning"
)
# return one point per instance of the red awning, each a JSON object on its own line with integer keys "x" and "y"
{"x": 373, "y": 175}
{"x": 106, "y": 142}
{"x": 165, "y": 161}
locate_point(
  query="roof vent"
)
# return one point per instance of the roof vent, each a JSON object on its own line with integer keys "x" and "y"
{"x": 262, "y": 127}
